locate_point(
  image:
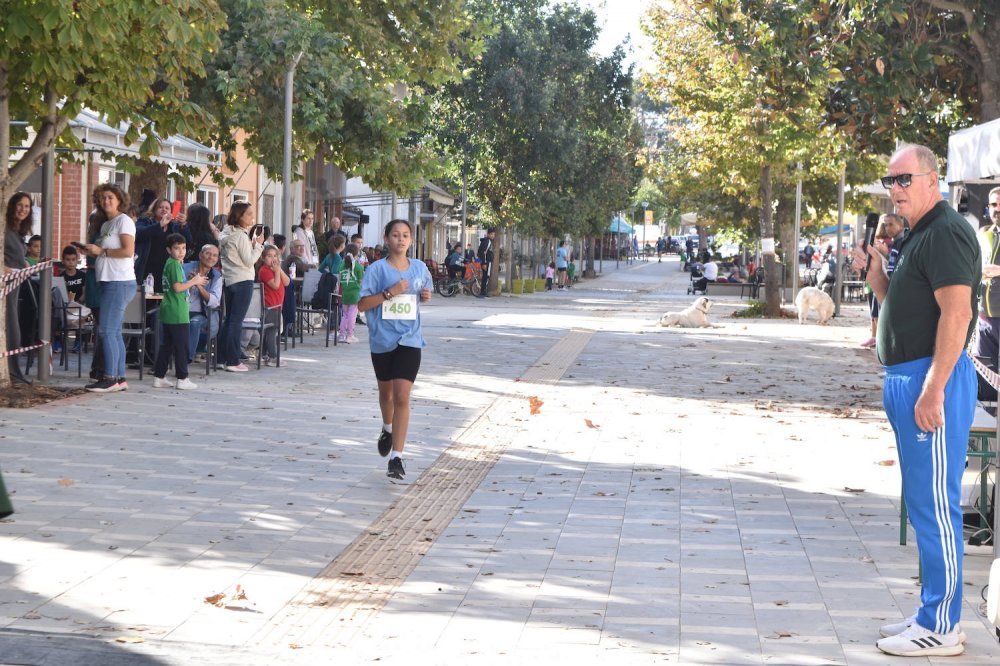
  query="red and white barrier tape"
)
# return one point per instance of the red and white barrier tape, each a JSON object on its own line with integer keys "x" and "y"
{"x": 21, "y": 350}
{"x": 991, "y": 377}
{"x": 16, "y": 277}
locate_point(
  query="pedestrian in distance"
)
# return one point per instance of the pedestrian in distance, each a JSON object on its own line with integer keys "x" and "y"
{"x": 391, "y": 293}
{"x": 925, "y": 322}
{"x": 175, "y": 317}
{"x": 485, "y": 256}
{"x": 562, "y": 262}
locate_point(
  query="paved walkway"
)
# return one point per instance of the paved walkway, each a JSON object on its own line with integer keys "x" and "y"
{"x": 720, "y": 496}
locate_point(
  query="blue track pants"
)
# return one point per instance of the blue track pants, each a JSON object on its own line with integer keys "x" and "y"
{"x": 932, "y": 464}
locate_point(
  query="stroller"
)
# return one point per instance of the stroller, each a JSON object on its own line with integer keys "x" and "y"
{"x": 696, "y": 285}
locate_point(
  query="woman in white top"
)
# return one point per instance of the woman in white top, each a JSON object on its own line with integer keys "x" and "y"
{"x": 239, "y": 251}
{"x": 114, "y": 251}
{"x": 304, "y": 233}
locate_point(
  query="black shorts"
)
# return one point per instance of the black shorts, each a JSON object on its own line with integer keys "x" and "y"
{"x": 561, "y": 270}
{"x": 401, "y": 363}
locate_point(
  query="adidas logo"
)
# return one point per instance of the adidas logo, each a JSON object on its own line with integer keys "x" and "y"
{"x": 922, "y": 436}
{"x": 927, "y": 642}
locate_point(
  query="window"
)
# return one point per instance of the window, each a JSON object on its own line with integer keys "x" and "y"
{"x": 208, "y": 198}
{"x": 239, "y": 195}
{"x": 106, "y": 174}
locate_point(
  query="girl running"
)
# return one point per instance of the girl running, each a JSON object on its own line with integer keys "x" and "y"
{"x": 390, "y": 291}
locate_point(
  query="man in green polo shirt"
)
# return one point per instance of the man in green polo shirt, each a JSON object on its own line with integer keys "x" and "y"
{"x": 926, "y": 320}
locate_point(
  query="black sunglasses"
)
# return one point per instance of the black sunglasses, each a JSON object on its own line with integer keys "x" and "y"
{"x": 904, "y": 179}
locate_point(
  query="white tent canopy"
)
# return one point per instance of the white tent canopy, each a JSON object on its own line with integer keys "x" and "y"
{"x": 974, "y": 154}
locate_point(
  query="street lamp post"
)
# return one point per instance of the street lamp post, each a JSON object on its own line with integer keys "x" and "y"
{"x": 286, "y": 171}
{"x": 645, "y": 204}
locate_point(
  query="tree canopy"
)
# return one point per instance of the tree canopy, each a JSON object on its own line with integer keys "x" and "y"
{"x": 541, "y": 126}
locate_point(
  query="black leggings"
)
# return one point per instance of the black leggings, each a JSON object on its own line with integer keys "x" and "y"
{"x": 400, "y": 363}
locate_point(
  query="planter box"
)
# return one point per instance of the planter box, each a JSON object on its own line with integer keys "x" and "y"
{"x": 529, "y": 286}
{"x": 540, "y": 284}
{"x": 517, "y": 286}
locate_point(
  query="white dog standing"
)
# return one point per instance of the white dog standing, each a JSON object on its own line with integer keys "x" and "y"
{"x": 815, "y": 299}
{"x": 693, "y": 316}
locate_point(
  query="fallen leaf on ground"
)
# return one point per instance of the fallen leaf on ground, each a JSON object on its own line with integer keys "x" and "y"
{"x": 215, "y": 599}
{"x": 352, "y": 573}
{"x": 130, "y": 639}
{"x": 66, "y": 482}
{"x": 535, "y": 404}
{"x": 854, "y": 490}
{"x": 590, "y": 424}
{"x": 295, "y": 646}
{"x": 241, "y": 594}
{"x": 781, "y": 602}
{"x": 886, "y": 463}
{"x": 781, "y": 633}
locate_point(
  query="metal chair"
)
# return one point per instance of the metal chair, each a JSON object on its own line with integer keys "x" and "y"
{"x": 135, "y": 324}
{"x": 63, "y": 307}
{"x": 303, "y": 309}
{"x": 254, "y": 321}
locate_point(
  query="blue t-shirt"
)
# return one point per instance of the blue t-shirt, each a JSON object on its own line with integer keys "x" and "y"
{"x": 386, "y": 335}
{"x": 561, "y": 257}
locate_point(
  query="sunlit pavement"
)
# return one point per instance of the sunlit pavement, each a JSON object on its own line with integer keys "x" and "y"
{"x": 715, "y": 496}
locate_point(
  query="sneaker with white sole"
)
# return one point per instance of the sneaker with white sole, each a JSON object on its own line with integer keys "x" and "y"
{"x": 186, "y": 384}
{"x": 915, "y": 641}
{"x": 351, "y": 339}
{"x": 237, "y": 368}
{"x": 161, "y": 382}
{"x": 896, "y": 628}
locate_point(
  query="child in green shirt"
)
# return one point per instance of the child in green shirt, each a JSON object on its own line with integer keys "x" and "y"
{"x": 350, "y": 293}
{"x": 174, "y": 316}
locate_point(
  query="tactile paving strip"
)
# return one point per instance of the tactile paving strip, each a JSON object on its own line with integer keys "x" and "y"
{"x": 358, "y": 583}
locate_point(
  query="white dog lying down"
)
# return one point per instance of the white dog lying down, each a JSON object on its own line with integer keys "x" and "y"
{"x": 693, "y": 316}
{"x": 816, "y": 299}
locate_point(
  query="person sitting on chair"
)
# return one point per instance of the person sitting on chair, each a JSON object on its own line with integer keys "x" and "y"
{"x": 455, "y": 262}
{"x": 204, "y": 299}
{"x": 709, "y": 273}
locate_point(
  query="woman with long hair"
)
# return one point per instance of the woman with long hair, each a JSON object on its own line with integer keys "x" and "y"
{"x": 113, "y": 250}
{"x": 202, "y": 231}
{"x": 156, "y": 223}
{"x": 19, "y": 223}
{"x": 391, "y": 291}
{"x": 239, "y": 252}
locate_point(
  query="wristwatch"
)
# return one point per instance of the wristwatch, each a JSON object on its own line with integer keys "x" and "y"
{"x": 386, "y": 294}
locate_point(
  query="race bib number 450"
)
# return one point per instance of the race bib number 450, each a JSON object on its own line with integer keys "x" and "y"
{"x": 403, "y": 306}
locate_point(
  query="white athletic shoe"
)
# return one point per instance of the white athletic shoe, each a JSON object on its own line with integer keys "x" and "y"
{"x": 161, "y": 383}
{"x": 915, "y": 641}
{"x": 896, "y": 628}
{"x": 186, "y": 384}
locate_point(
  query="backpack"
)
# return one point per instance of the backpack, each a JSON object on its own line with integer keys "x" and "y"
{"x": 327, "y": 286}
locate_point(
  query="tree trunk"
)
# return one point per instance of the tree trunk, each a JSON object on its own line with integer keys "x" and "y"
{"x": 772, "y": 306}
{"x": 588, "y": 269}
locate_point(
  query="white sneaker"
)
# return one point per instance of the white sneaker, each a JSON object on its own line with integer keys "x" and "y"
{"x": 351, "y": 339}
{"x": 896, "y": 628}
{"x": 186, "y": 384}
{"x": 161, "y": 383}
{"x": 916, "y": 641}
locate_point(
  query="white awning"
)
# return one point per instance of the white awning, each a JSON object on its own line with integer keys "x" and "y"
{"x": 94, "y": 132}
{"x": 435, "y": 193}
{"x": 974, "y": 154}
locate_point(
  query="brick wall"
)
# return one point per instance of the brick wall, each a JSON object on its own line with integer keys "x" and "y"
{"x": 69, "y": 205}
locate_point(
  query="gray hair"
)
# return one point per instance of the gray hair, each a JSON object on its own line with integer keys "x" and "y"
{"x": 995, "y": 190}
{"x": 925, "y": 156}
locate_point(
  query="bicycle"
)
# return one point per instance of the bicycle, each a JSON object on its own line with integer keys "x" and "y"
{"x": 469, "y": 283}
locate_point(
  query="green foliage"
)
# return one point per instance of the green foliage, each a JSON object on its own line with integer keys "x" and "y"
{"x": 128, "y": 59}
{"x": 540, "y": 125}
{"x": 358, "y": 86}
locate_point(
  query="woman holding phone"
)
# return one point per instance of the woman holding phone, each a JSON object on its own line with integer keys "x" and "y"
{"x": 239, "y": 250}
{"x": 113, "y": 250}
{"x": 391, "y": 292}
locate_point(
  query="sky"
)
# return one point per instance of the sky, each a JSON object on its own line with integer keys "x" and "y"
{"x": 619, "y": 19}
